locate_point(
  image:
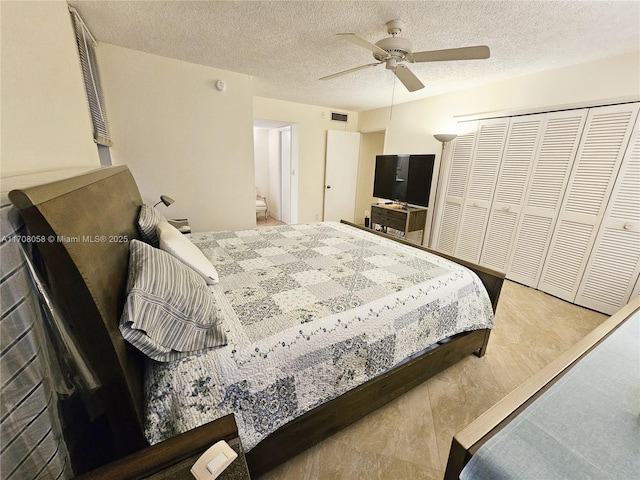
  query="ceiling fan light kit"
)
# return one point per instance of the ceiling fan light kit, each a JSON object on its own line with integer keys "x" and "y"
{"x": 395, "y": 50}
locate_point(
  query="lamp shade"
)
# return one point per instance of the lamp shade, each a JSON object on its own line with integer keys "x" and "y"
{"x": 445, "y": 137}
{"x": 166, "y": 200}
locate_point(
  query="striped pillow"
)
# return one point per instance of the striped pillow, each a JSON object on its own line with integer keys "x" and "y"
{"x": 169, "y": 312}
{"x": 148, "y": 219}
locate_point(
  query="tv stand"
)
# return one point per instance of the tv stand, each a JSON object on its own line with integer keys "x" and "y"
{"x": 402, "y": 218}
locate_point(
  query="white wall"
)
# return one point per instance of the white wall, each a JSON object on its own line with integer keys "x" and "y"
{"x": 182, "y": 137}
{"x": 275, "y": 200}
{"x": 313, "y": 122}
{"x": 44, "y": 112}
{"x": 371, "y": 144}
{"x": 267, "y": 159}
{"x": 413, "y": 124}
{"x": 261, "y": 156}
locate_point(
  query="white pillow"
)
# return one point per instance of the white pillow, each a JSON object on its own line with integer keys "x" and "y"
{"x": 170, "y": 312}
{"x": 175, "y": 243}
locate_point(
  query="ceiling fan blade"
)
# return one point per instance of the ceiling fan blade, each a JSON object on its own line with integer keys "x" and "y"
{"x": 407, "y": 78}
{"x": 353, "y": 38}
{"x": 361, "y": 67}
{"x": 478, "y": 52}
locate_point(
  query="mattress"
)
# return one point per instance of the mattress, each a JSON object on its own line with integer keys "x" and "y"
{"x": 310, "y": 312}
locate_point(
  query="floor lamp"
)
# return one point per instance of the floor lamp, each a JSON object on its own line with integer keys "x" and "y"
{"x": 443, "y": 138}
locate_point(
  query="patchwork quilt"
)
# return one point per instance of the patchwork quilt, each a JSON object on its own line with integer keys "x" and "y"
{"x": 310, "y": 312}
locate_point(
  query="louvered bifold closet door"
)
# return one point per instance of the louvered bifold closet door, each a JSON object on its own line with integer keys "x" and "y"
{"x": 483, "y": 174}
{"x": 550, "y": 172}
{"x": 614, "y": 265}
{"x": 636, "y": 289}
{"x": 519, "y": 154}
{"x": 456, "y": 185}
{"x": 600, "y": 154}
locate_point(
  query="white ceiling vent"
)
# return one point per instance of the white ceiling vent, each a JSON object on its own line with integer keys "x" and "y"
{"x": 339, "y": 117}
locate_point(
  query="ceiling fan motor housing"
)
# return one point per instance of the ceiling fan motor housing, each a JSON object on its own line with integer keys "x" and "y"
{"x": 396, "y": 47}
{"x": 395, "y": 50}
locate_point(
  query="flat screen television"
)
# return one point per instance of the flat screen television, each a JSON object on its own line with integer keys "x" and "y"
{"x": 404, "y": 178}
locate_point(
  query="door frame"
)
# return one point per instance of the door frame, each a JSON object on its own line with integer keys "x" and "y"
{"x": 286, "y": 151}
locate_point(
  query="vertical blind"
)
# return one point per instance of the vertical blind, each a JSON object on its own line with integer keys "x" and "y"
{"x": 86, "y": 43}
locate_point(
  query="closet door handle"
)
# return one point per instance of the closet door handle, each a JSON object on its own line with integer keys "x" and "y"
{"x": 628, "y": 226}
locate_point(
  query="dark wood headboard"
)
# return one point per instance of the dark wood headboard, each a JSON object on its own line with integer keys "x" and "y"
{"x": 84, "y": 225}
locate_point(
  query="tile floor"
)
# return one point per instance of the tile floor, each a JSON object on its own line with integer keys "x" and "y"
{"x": 410, "y": 437}
{"x": 268, "y": 222}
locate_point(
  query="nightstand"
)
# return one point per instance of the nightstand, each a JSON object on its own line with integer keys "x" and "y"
{"x": 182, "y": 224}
{"x": 173, "y": 458}
{"x": 403, "y": 219}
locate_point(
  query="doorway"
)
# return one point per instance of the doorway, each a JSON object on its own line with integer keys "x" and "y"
{"x": 276, "y": 168}
{"x": 371, "y": 144}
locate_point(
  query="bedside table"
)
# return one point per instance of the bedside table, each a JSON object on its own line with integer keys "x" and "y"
{"x": 182, "y": 224}
{"x": 173, "y": 458}
{"x": 409, "y": 219}
{"x": 238, "y": 469}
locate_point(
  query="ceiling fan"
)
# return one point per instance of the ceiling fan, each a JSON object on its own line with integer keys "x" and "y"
{"x": 395, "y": 50}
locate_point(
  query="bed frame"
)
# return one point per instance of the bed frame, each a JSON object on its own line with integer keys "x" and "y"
{"x": 467, "y": 442}
{"x": 81, "y": 223}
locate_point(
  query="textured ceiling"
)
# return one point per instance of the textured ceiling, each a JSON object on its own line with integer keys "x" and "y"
{"x": 288, "y": 45}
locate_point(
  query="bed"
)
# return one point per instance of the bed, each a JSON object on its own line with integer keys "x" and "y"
{"x": 88, "y": 222}
{"x": 576, "y": 418}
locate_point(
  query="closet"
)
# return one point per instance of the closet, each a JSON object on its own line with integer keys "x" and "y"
{"x": 557, "y": 144}
{"x": 614, "y": 264}
{"x": 552, "y": 199}
{"x": 483, "y": 174}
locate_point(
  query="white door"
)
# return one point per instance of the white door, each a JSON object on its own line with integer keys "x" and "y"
{"x": 614, "y": 264}
{"x": 550, "y": 172}
{"x": 480, "y": 188}
{"x": 601, "y": 151}
{"x": 341, "y": 175}
{"x": 520, "y": 151}
{"x": 455, "y": 186}
{"x": 636, "y": 289}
